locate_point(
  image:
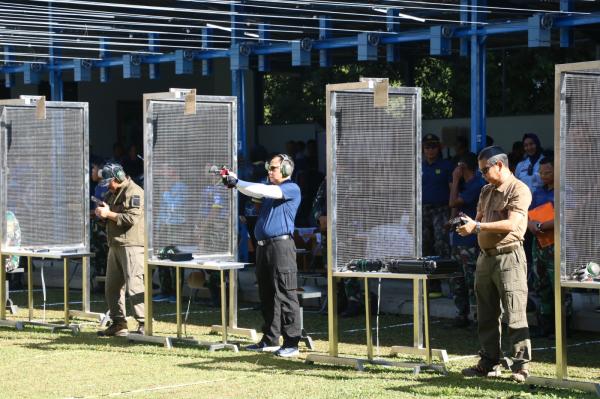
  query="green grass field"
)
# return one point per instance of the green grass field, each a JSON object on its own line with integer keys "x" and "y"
{"x": 38, "y": 364}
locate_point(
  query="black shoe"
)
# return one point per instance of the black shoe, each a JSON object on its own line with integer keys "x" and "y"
{"x": 116, "y": 329}
{"x": 479, "y": 371}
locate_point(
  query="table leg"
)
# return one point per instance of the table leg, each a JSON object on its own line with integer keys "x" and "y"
{"x": 85, "y": 284}
{"x": 417, "y": 319}
{"x": 66, "y": 289}
{"x": 368, "y": 320}
{"x": 426, "y": 320}
{"x": 178, "y": 299}
{"x": 147, "y": 298}
{"x": 30, "y": 287}
{"x": 3, "y": 294}
{"x": 223, "y": 305}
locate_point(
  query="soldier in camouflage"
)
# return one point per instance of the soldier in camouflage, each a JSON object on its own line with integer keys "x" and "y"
{"x": 543, "y": 256}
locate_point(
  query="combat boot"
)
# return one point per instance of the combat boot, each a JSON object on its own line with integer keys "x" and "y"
{"x": 116, "y": 329}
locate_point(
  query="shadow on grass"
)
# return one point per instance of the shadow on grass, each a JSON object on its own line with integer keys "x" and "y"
{"x": 511, "y": 389}
{"x": 268, "y": 363}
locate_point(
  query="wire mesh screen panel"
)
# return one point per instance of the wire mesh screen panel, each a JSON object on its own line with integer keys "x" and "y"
{"x": 375, "y": 186}
{"x": 187, "y": 206}
{"x": 580, "y": 181}
{"x": 44, "y": 175}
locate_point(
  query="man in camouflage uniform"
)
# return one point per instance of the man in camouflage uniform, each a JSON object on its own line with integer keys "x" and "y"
{"x": 543, "y": 256}
{"x": 464, "y": 194}
{"x": 435, "y": 183}
{"x": 123, "y": 211}
{"x": 13, "y": 239}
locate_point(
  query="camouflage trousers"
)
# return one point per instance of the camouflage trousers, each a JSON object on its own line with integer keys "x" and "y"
{"x": 463, "y": 286}
{"x": 435, "y": 235}
{"x": 99, "y": 247}
{"x": 352, "y": 289}
{"x": 543, "y": 280}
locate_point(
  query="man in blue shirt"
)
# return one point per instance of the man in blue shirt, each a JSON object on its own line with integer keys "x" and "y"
{"x": 276, "y": 266}
{"x": 464, "y": 194}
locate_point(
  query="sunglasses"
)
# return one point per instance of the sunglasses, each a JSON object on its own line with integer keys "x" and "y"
{"x": 430, "y": 146}
{"x": 485, "y": 170}
{"x": 273, "y": 168}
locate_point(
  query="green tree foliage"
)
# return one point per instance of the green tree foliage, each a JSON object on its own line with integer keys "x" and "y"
{"x": 299, "y": 96}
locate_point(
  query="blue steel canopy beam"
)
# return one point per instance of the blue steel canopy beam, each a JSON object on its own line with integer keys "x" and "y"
{"x": 153, "y": 70}
{"x": 82, "y": 70}
{"x": 32, "y": 74}
{"x": 207, "y": 65}
{"x": 104, "y": 73}
{"x": 264, "y": 64}
{"x": 392, "y": 53}
{"x": 539, "y": 30}
{"x": 132, "y": 66}
{"x": 367, "y": 46}
{"x": 301, "y": 52}
{"x": 464, "y": 16}
{"x": 440, "y": 42}
{"x": 9, "y": 79}
{"x": 478, "y": 95}
{"x": 184, "y": 62}
{"x": 324, "y": 34}
{"x": 566, "y": 35}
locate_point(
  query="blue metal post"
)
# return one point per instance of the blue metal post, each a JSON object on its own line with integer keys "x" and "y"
{"x": 392, "y": 52}
{"x": 237, "y": 86}
{"x": 54, "y": 75}
{"x": 8, "y": 77}
{"x": 464, "y": 16}
{"x": 324, "y": 55}
{"x": 103, "y": 54}
{"x": 264, "y": 64}
{"x": 566, "y": 35}
{"x": 153, "y": 70}
{"x": 206, "y": 43}
{"x": 478, "y": 125}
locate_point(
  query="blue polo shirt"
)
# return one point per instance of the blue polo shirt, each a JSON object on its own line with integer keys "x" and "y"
{"x": 435, "y": 182}
{"x": 276, "y": 216}
{"x": 541, "y": 195}
{"x": 470, "y": 195}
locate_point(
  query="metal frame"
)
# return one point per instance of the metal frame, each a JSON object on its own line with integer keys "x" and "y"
{"x": 219, "y": 262}
{"x": 53, "y": 252}
{"x": 561, "y": 379}
{"x": 421, "y": 301}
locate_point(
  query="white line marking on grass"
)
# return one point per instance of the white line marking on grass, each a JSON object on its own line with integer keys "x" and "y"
{"x": 203, "y": 311}
{"x": 153, "y": 389}
{"x": 373, "y": 328}
{"x": 453, "y": 359}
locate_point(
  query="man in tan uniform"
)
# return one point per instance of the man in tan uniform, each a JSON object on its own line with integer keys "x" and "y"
{"x": 501, "y": 273}
{"x": 124, "y": 215}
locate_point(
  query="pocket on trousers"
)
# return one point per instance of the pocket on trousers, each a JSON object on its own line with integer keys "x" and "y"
{"x": 288, "y": 280}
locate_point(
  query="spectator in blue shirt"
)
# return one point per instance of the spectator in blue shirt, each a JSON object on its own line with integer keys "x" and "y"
{"x": 464, "y": 194}
{"x": 529, "y": 168}
{"x": 276, "y": 267}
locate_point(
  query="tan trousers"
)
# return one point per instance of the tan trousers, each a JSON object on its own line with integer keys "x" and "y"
{"x": 501, "y": 285}
{"x": 125, "y": 273}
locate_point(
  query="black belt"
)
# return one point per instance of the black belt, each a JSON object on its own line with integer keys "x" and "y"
{"x": 262, "y": 243}
{"x": 502, "y": 250}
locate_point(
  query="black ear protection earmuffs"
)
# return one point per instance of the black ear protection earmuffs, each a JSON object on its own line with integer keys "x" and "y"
{"x": 113, "y": 171}
{"x": 287, "y": 165}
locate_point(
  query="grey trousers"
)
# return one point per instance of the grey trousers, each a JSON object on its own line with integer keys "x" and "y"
{"x": 501, "y": 284}
{"x": 125, "y": 273}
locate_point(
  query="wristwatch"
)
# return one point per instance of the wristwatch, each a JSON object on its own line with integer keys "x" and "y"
{"x": 538, "y": 226}
{"x": 477, "y": 227}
